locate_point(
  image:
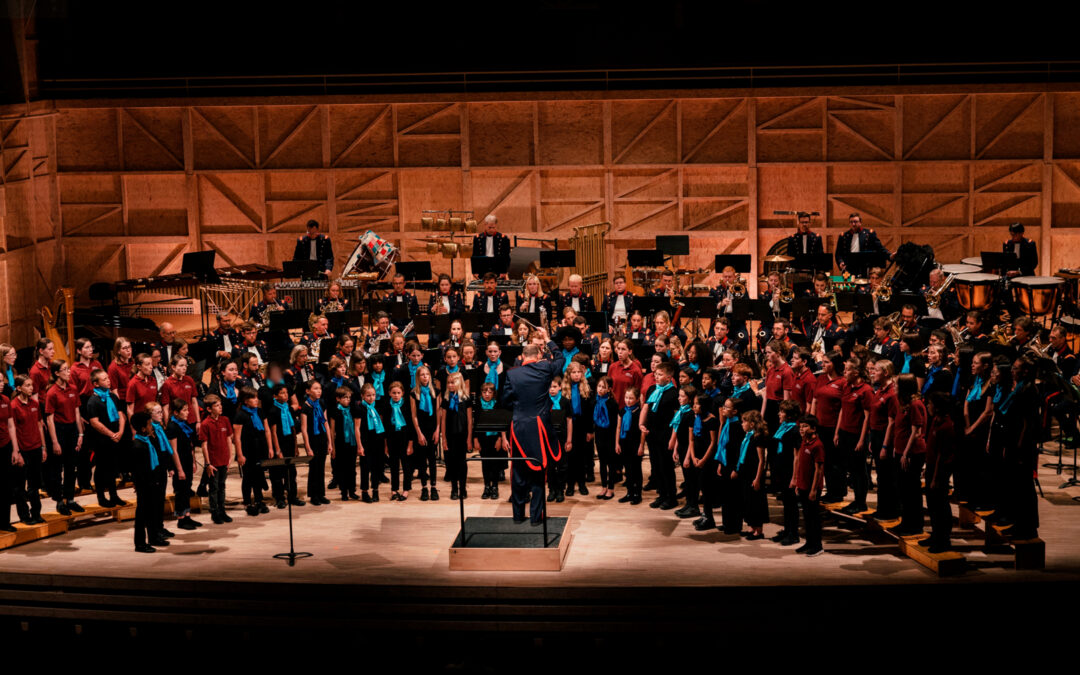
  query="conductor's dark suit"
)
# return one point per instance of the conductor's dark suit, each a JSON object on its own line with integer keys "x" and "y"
{"x": 811, "y": 242}
{"x": 531, "y": 434}
{"x": 1026, "y": 253}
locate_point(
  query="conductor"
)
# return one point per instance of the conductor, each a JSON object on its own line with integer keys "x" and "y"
{"x": 531, "y": 435}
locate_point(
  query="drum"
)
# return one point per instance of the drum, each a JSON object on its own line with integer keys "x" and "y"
{"x": 976, "y": 290}
{"x": 959, "y": 268}
{"x": 1037, "y": 296}
{"x": 976, "y": 261}
{"x": 1071, "y": 324}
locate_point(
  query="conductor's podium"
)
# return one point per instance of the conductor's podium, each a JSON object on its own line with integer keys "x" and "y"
{"x": 501, "y": 545}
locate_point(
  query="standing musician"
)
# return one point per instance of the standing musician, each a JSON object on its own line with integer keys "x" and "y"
{"x": 576, "y": 298}
{"x": 531, "y": 433}
{"x": 804, "y": 242}
{"x": 315, "y": 246}
{"x": 1024, "y": 249}
{"x": 534, "y": 299}
{"x": 490, "y": 243}
{"x": 333, "y": 301}
{"x": 270, "y": 303}
{"x": 399, "y": 294}
{"x": 489, "y": 300}
{"x": 618, "y": 304}
{"x": 857, "y": 240}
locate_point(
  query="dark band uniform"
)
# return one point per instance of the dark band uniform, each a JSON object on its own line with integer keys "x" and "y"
{"x": 1027, "y": 253}
{"x": 500, "y": 245}
{"x": 498, "y": 299}
{"x": 259, "y": 348}
{"x": 318, "y": 249}
{"x": 805, "y": 244}
{"x": 868, "y": 243}
{"x": 531, "y": 433}
{"x": 457, "y": 303}
{"x": 585, "y": 302}
{"x": 407, "y": 298}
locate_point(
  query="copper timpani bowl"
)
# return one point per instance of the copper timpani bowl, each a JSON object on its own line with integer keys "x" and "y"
{"x": 976, "y": 290}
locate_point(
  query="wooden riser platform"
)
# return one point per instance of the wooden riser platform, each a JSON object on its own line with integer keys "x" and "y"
{"x": 944, "y": 564}
{"x": 1030, "y": 554}
{"x": 93, "y": 514}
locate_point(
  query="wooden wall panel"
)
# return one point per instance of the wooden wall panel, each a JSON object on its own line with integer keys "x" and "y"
{"x": 501, "y": 134}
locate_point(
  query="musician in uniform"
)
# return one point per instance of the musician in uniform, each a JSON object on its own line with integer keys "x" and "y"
{"x": 576, "y": 298}
{"x": 882, "y": 343}
{"x": 1060, "y": 353}
{"x": 857, "y": 240}
{"x": 666, "y": 287}
{"x": 333, "y": 301}
{"x": 261, "y": 312}
{"x": 909, "y": 322}
{"x": 948, "y": 303}
{"x": 490, "y": 299}
{"x": 1024, "y": 332}
{"x": 490, "y": 243}
{"x": 251, "y": 343}
{"x": 618, "y": 304}
{"x": 587, "y": 338}
{"x": 445, "y": 300}
{"x": 725, "y": 299}
{"x": 825, "y": 329}
{"x": 167, "y": 343}
{"x": 224, "y": 336}
{"x": 804, "y": 242}
{"x": 399, "y": 294}
{"x": 1024, "y": 249}
{"x": 319, "y": 332}
{"x": 533, "y": 299}
{"x": 505, "y": 325}
{"x": 531, "y": 434}
{"x": 315, "y": 246}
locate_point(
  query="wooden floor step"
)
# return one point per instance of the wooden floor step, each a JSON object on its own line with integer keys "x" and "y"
{"x": 1030, "y": 554}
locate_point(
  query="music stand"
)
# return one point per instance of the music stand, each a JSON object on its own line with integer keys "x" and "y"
{"x": 859, "y": 263}
{"x": 485, "y": 320}
{"x": 308, "y": 270}
{"x": 644, "y": 258}
{"x": 1002, "y": 262}
{"x": 815, "y": 262}
{"x": 915, "y": 299}
{"x": 428, "y": 325}
{"x": 643, "y": 353}
{"x": 346, "y": 320}
{"x": 508, "y": 355}
{"x": 551, "y": 259}
{"x": 293, "y": 554}
{"x": 804, "y": 308}
{"x": 201, "y": 265}
{"x": 529, "y": 317}
{"x": 673, "y": 244}
{"x": 649, "y": 305}
{"x": 397, "y": 311}
{"x": 471, "y": 323}
{"x": 289, "y": 319}
{"x": 414, "y": 271}
{"x": 327, "y": 348}
{"x": 697, "y": 307}
{"x": 433, "y": 358}
{"x": 740, "y": 261}
{"x": 481, "y": 265}
{"x": 595, "y": 322}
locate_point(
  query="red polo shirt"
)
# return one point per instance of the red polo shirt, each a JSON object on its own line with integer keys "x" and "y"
{"x": 63, "y": 402}
{"x": 119, "y": 376}
{"x": 216, "y": 434}
{"x": 855, "y": 404}
{"x": 777, "y": 381}
{"x": 828, "y": 396}
{"x": 624, "y": 378}
{"x": 882, "y": 407}
{"x": 27, "y": 415}
{"x": 183, "y": 389}
{"x": 811, "y": 453}
{"x": 803, "y": 387}
{"x": 906, "y": 420}
{"x": 140, "y": 392}
{"x": 5, "y": 415}
{"x": 80, "y": 375}
{"x": 39, "y": 375}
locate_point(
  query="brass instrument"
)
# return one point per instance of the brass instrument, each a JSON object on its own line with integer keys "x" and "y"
{"x": 738, "y": 288}
{"x": 1002, "y": 334}
{"x": 933, "y": 297}
{"x": 884, "y": 290}
{"x": 264, "y": 316}
{"x": 895, "y": 332}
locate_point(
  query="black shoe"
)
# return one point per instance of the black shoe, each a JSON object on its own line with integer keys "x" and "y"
{"x": 853, "y": 508}
{"x": 434, "y": 494}
{"x": 252, "y": 510}
{"x": 803, "y": 549}
{"x": 332, "y": 485}
{"x": 583, "y": 490}
{"x": 453, "y": 493}
{"x": 814, "y": 552}
{"x": 424, "y": 495}
{"x": 754, "y": 537}
{"x": 668, "y": 505}
{"x": 688, "y": 512}
{"x": 344, "y": 496}
{"x": 636, "y": 500}
{"x": 186, "y": 524}
{"x": 570, "y": 491}
{"x": 940, "y": 547}
{"x": 116, "y": 501}
{"x": 649, "y": 486}
{"x": 560, "y": 498}
{"x": 375, "y": 495}
{"x": 789, "y": 541}
{"x": 704, "y": 524}
{"x": 166, "y": 533}
{"x": 217, "y": 520}
{"x": 353, "y": 495}
{"x": 104, "y": 503}
{"x": 551, "y": 496}
{"x": 145, "y": 548}
{"x": 7, "y": 528}
{"x": 159, "y": 541}
{"x": 280, "y": 504}
{"x": 75, "y": 508}
{"x": 779, "y": 537}
{"x": 62, "y": 509}
{"x": 296, "y": 501}
{"x": 225, "y": 517}
{"x": 36, "y": 520}
{"x": 262, "y": 507}
{"x": 193, "y": 521}
{"x": 365, "y": 497}
{"x": 625, "y": 499}
{"x": 487, "y": 492}
{"x": 655, "y": 504}
{"x": 494, "y": 491}
{"x": 831, "y": 499}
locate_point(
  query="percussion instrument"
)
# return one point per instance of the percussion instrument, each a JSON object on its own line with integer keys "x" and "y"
{"x": 976, "y": 290}
{"x": 778, "y": 259}
{"x": 372, "y": 254}
{"x": 1072, "y": 286}
{"x": 1071, "y": 324}
{"x": 1037, "y": 296}
{"x": 960, "y": 268}
{"x": 976, "y": 261}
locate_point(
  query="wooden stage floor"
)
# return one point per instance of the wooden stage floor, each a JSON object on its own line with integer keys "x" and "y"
{"x": 614, "y": 545}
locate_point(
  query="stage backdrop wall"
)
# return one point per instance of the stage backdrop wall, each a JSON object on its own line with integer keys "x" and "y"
{"x": 103, "y": 190}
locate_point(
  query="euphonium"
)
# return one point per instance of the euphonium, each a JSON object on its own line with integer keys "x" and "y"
{"x": 738, "y": 288}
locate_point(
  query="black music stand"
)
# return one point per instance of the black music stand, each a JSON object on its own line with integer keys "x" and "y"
{"x": 481, "y": 265}
{"x": 649, "y": 305}
{"x": 289, "y": 319}
{"x": 552, "y": 259}
{"x": 643, "y": 257}
{"x": 814, "y": 262}
{"x": 740, "y": 261}
{"x": 1002, "y": 262}
{"x": 433, "y": 358}
{"x": 508, "y": 354}
{"x": 327, "y": 348}
{"x": 643, "y": 353}
{"x": 596, "y": 322}
{"x": 673, "y": 244}
{"x": 308, "y": 270}
{"x": 859, "y": 263}
{"x": 915, "y": 299}
{"x": 201, "y": 265}
{"x": 397, "y": 311}
{"x": 696, "y": 308}
{"x": 414, "y": 271}
{"x": 427, "y": 324}
{"x": 293, "y": 554}
{"x": 346, "y": 320}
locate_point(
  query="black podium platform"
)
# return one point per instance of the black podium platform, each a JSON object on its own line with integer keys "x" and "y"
{"x": 500, "y": 544}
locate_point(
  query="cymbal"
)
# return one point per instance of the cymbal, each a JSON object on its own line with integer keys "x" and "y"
{"x": 778, "y": 258}
{"x": 860, "y": 282}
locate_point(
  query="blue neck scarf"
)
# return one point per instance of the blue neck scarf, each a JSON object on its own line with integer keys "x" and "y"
{"x": 725, "y": 433}
{"x": 779, "y": 435}
{"x": 568, "y": 356}
{"x": 657, "y": 392}
{"x": 412, "y": 374}
{"x": 907, "y": 363}
{"x": 452, "y": 404}
{"x": 110, "y": 407}
{"x": 742, "y": 450}
{"x": 601, "y": 419}
{"x": 286, "y": 417}
{"x": 163, "y": 440}
{"x": 451, "y": 371}
{"x": 697, "y": 425}
{"x": 934, "y": 370}
{"x": 1007, "y": 403}
{"x": 396, "y": 417}
{"x": 317, "y": 415}
{"x": 711, "y": 393}
{"x": 976, "y": 389}
{"x": 347, "y": 424}
{"x": 377, "y": 382}
{"x": 10, "y": 372}
{"x": 153, "y": 452}
{"x": 184, "y": 426}
{"x": 556, "y": 401}
{"x": 338, "y": 381}
{"x": 739, "y": 391}
{"x": 229, "y": 388}
{"x": 693, "y": 367}
{"x": 492, "y": 373}
{"x": 627, "y": 420}
{"x": 488, "y": 405}
{"x": 677, "y": 418}
{"x": 425, "y": 401}
{"x": 374, "y": 421}
{"x": 256, "y": 421}
{"x": 956, "y": 382}
{"x": 575, "y": 399}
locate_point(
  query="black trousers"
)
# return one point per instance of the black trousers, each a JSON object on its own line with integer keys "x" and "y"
{"x": 396, "y": 446}
{"x": 888, "y": 486}
{"x": 344, "y": 467}
{"x": 84, "y": 467}
{"x": 316, "y": 480}
{"x": 578, "y": 460}
{"x": 527, "y": 486}
{"x": 106, "y": 455}
{"x": 182, "y": 488}
{"x": 811, "y": 520}
{"x": 419, "y": 461}
{"x": 857, "y": 470}
{"x": 836, "y": 464}
{"x": 609, "y": 461}
{"x": 556, "y": 469}
{"x": 60, "y": 469}
{"x": 732, "y": 499}
{"x": 632, "y": 463}
{"x": 282, "y": 478}
{"x": 786, "y": 494}
{"x": 937, "y": 504}
{"x": 457, "y": 469}
{"x": 28, "y": 484}
{"x": 663, "y": 466}
{"x": 911, "y": 503}
{"x": 149, "y": 505}
{"x": 755, "y": 502}
{"x": 1019, "y": 491}
{"x": 710, "y": 487}
{"x": 251, "y": 484}
{"x": 490, "y": 469}
{"x": 371, "y": 467}
{"x": 692, "y": 478}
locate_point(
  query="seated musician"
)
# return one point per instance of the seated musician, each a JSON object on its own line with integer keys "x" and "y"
{"x": 319, "y": 332}
{"x": 824, "y": 329}
{"x": 721, "y": 340}
{"x": 909, "y": 322}
{"x": 804, "y": 242}
{"x": 568, "y": 316}
{"x": 874, "y": 276}
{"x": 883, "y": 343}
{"x": 857, "y": 239}
{"x": 167, "y": 343}
{"x": 635, "y": 329}
{"x": 250, "y": 342}
{"x": 468, "y": 355}
{"x": 1060, "y": 352}
{"x": 490, "y": 243}
{"x": 456, "y": 337}
{"x": 445, "y": 300}
{"x": 1024, "y": 332}
{"x": 533, "y": 299}
{"x": 662, "y": 328}
{"x": 395, "y": 356}
{"x": 383, "y": 330}
{"x": 505, "y": 325}
{"x": 250, "y": 376}
{"x": 820, "y": 289}
{"x": 260, "y": 313}
{"x": 618, "y": 304}
{"x": 1024, "y": 249}
{"x": 490, "y": 299}
{"x": 576, "y": 297}
{"x": 399, "y": 294}
{"x": 316, "y": 247}
{"x": 521, "y": 333}
{"x": 224, "y": 336}
{"x": 333, "y": 301}
{"x": 948, "y": 304}
{"x": 586, "y": 337}
{"x": 666, "y": 287}
{"x": 344, "y": 349}
{"x": 772, "y": 292}
{"x": 781, "y": 331}
{"x": 975, "y": 335}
